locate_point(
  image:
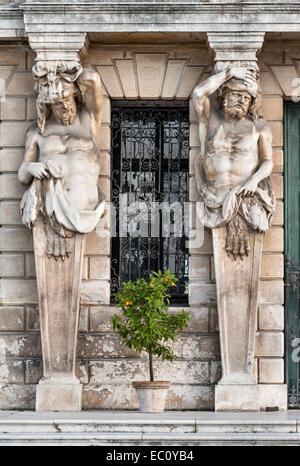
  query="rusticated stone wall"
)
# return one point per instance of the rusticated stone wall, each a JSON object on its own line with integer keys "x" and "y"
{"x": 105, "y": 367}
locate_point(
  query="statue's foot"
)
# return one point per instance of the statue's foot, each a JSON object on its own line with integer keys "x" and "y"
{"x": 57, "y": 246}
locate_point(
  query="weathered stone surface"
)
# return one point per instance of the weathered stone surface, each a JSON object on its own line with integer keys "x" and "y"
{"x": 125, "y": 371}
{"x": 201, "y": 294}
{"x": 18, "y": 291}
{"x": 236, "y": 397}
{"x": 272, "y": 266}
{"x": 11, "y": 159}
{"x": 100, "y": 268}
{"x": 14, "y": 396}
{"x": 12, "y": 265}
{"x": 285, "y": 76}
{"x": 11, "y": 318}
{"x": 150, "y": 74}
{"x": 32, "y": 318}
{"x": 271, "y": 291}
{"x": 271, "y": 371}
{"x": 13, "y": 134}
{"x": 20, "y": 346}
{"x": 83, "y": 325}
{"x": 10, "y": 187}
{"x": 11, "y": 372}
{"x": 30, "y": 266}
{"x": 269, "y": 344}
{"x": 172, "y": 77}
{"x": 94, "y": 291}
{"x": 270, "y": 317}
{"x": 273, "y": 108}
{"x": 273, "y": 395}
{"x": 94, "y": 244}
{"x": 13, "y": 109}
{"x": 10, "y": 213}
{"x": 15, "y": 239}
{"x": 21, "y": 84}
{"x": 277, "y": 131}
{"x": 128, "y": 78}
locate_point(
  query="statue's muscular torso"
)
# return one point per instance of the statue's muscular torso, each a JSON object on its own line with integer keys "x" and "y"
{"x": 74, "y": 150}
{"x": 231, "y": 153}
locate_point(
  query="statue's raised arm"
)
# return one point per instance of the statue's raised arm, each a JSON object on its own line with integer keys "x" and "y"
{"x": 235, "y": 158}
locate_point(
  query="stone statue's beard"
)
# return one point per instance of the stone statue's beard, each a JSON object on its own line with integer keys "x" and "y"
{"x": 234, "y": 112}
{"x": 65, "y": 117}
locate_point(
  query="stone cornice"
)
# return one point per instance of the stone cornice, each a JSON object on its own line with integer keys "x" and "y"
{"x": 149, "y": 16}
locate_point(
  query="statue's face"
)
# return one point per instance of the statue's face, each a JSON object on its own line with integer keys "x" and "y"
{"x": 236, "y": 103}
{"x": 64, "y": 111}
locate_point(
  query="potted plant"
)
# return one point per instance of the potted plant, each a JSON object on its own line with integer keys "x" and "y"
{"x": 147, "y": 325}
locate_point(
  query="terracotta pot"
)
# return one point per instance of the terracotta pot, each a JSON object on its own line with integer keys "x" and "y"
{"x": 151, "y": 396}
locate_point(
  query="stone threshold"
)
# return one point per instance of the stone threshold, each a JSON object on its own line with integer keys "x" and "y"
{"x": 134, "y": 428}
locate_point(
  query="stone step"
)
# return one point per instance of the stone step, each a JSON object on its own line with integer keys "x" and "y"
{"x": 148, "y": 439}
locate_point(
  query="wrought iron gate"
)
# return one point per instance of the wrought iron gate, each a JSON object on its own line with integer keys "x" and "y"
{"x": 150, "y": 169}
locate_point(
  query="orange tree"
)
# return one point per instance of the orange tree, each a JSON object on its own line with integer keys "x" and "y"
{"x": 146, "y": 323}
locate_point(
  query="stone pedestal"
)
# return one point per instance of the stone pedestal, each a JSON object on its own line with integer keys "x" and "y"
{"x": 58, "y": 285}
{"x": 237, "y": 293}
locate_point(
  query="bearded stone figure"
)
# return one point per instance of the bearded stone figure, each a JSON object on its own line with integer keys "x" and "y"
{"x": 61, "y": 157}
{"x": 235, "y": 159}
{"x": 61, "y": 167}
{"x": 236, "y": 201}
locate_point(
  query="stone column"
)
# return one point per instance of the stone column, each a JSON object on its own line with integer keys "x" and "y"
{"x": 61, "y": 204}
{"x": 231, "y": 203}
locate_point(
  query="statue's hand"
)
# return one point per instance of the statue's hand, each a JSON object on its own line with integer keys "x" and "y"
{"x": 55, "y": 169}
{"x": 248, "y": 188}
{"x": 38, "y": 170}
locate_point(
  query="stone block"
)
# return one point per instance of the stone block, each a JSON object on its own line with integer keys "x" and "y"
{"x": 106, "y": 110}
{"x": 111, "y": 81}
{"x": 11, "y": 372}
{"x": 277, "y": 131}
{"x": 16, "y": 291}
{"x": 13, "y": 109}
{"x": 271, "y": 371}
{"x": 102, "y": 346}
{"x": 85, "y": 268}
{"x": 150, "y": 73}
{"x": 236, "y": 397}
{"x": 83, "y": 325}
{"x": 272, "y": 395}
{"x": 277, "y": 161}
{"x": 82, "y": 371}
{"x": 277, "y": 183}
{"x": 193, "y": 114}
{"x": 11, "y": 318}
{"x": 272, "y": 266}
{"x": 32, "y": 318}
{"x": 107, "y": 396}
{"x": 194, "y": 135}
{"x": 16, "y": 396}
{"x": 213, "y": 321}
{"x": 20, "y": 346}
{"x": 197, "y": 347}
{"x": 193, "y": 191}
{"x": 104, "y": 161}
{"x": 30, "y": 266}
{"x": 104, "y": 140}
{"x": 271, "y": 291}
{"x": 202, "y": 293}
{"x": 273, "y": 240}
{"x": 95, "y": 291}
{"x": 129, "y": 370}
{"x": 272, "y": 108}
{"x": 13, "y": 134}
{"x": 21, "y": 84}
{"x": 104, "y": 185}
{"x": 11, "y": 159}
{"x": 58, "y": 397}
{"x": 94, "y": 244}
{"x": 285, "y": 76}
{"x": 193, "y": 155}
{"x": 278, "y": 219}
{"x": 270, "y": 317}
{"x": 15, "y": 239}
{"x": 11, "y": 265}
{"x": 100, "y": 318}
{"x": 215, "y": 371}
{"x": 128, "y": 78}
{"x": 189, "y": 80}
{"x": 31, "y": 108}
{"x": 33, "y": 371}
{"x": 100, "y": 268}
{"x": 199, "y": 268}
{"x": 172, "y": 77}
{"x": 10, "y": 213}
{"x": 269, "y": 344}
{"x": 206, "y": 247}
{"x": 269, "y": 85}
{"x": 10, "y": 187}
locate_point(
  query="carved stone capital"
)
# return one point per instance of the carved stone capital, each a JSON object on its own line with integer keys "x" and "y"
{"x": 230, "y": 46}
{"x": 58, "y": 47}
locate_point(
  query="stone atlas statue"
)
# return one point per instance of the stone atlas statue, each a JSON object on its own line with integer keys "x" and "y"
{"x": 236, "y": 201}
{"x": 61, "y": 204}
